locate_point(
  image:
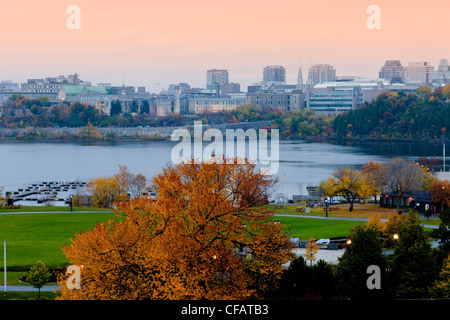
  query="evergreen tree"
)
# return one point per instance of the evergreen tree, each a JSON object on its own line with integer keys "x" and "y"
{"x": 116, "y": 108}
{"x": 365, "y": 250}
{"x": 145, "y": 107}
{"x": 413, "y": 264}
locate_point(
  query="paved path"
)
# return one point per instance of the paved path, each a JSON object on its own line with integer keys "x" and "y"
{"x": 27, "y": 288}
{"x": 341, "y": 218}
{"x": 38, "y": 212}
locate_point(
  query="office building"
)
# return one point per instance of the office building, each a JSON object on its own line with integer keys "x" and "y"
{"x": 9, "y": 86}
{"x": 215, "y": 77}
{"x": 393, "y": 71}
{"x": 420, "y": 72}
{"x": 283, "y": 100}
{"x": 274, "y": 74}
{"x": 321, "y": 73}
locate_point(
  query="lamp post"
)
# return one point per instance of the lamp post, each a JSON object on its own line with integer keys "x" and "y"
{"x": 71, "y": 203}
{"x": 326, "y": 208}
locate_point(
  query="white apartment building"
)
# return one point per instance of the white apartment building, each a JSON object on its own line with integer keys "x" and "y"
{"x": 421, "y": 71}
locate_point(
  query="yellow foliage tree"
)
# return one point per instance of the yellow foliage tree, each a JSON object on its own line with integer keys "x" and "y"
{"x": 206, "y": 235}
{"x": 311, "y": 250}
{"x": 103, "y": 192}
{"x": 348, "y": 183}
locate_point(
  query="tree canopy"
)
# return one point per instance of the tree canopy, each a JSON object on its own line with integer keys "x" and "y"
{"x": 206, "y": 235}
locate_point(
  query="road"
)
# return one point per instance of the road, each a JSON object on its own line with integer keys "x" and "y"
{"x": 341, "y": 218}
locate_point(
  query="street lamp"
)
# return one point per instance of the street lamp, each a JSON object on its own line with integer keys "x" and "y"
{"x": 71, "y": 203}
{"x": 326, "y": 208}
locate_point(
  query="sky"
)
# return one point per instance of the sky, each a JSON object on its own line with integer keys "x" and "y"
{"x": 157, "y": 43}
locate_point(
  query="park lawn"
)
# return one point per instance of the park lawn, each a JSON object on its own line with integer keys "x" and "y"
{"x": 51, "y": 209}
{"x": 33, "y": 237}
{"x": 306, "y": 228}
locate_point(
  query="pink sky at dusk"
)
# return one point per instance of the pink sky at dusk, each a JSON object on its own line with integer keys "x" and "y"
{"x": 149, "y": 42}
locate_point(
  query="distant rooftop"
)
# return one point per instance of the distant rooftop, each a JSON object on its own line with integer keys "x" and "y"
{"x": 77, "y": 89}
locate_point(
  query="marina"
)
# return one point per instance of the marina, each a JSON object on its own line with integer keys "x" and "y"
{"x": 45, "y": 193}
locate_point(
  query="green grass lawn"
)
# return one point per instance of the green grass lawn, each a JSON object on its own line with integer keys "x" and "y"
{"x": 41, "y": 236}
{"x": 28, "y": 295}
{"x": 32, "y": 237}
{"x": 305, "y": 228}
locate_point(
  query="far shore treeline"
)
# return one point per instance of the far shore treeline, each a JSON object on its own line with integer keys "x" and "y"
{"x": 422, "y": 115}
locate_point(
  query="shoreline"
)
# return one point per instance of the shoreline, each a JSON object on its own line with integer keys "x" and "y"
{"x": 161, "y": 138}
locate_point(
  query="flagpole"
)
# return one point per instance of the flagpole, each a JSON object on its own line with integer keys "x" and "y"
{"x": 4, "y": 262}
{"x": 285, "y": 196}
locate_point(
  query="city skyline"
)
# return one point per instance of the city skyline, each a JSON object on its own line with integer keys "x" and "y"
{"x": 178, "y": 42}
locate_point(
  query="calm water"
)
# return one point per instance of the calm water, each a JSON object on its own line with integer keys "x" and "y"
{"x": 302, "y": 163}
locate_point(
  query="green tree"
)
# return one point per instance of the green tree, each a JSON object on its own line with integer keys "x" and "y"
{"x": 443, "y": 234}
{"x": 441, "y": 287}
{"x": 134, "y": 107}
{"x": 145, "y": 107}
{"x": 365, "y": 250}
{"x": 300, "y": 281}
{"x": 413, "y": 264}
{"x": 116, "y": 108}
{"x": 38, "y": 276}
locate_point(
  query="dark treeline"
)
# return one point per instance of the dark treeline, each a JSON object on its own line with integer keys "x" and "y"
{"x": 421, "y": 115}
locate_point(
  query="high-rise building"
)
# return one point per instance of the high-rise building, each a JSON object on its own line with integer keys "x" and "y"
{"x": 321, "y": 73}
{"x": 442, "y": 74}
{"x": 274, "y": 74}
{"x": 300, "y": 79}
{"x": 215, "y": 77}
{"x": 393, "y": 71}
{"x": 420, "y": 71}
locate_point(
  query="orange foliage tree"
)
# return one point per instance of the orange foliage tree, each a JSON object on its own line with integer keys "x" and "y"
{"x": 206, "y": 235}
{"x": 440, "y": 192}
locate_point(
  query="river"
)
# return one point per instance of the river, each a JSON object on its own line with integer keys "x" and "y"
{"x": 301, "y": 163}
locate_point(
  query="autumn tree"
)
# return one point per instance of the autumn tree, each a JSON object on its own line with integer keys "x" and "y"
{"x": 130, "y": 183}
{"x": 311, "y": 250}
{"x": 89, "y": 132}
{"x": 348, "y": 183}
{"x": 446, "y": 91}
{"x": 2, "y": 198}
{"x": 206, "y": 235}
{"x": 373, "y": 172}
{"x": 440, "y": 192}
{"x": 103, "y": 192}
{"x": 402, "y": 176}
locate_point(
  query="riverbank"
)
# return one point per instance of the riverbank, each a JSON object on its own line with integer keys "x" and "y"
{"x": 91, "y": 133}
